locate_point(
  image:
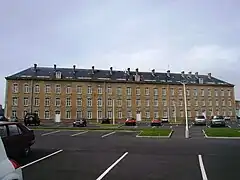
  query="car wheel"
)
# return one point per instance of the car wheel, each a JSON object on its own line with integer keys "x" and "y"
{"x": 26, "y": 151}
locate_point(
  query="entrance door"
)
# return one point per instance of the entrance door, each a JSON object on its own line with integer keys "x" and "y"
{"x": 57, "y": 116}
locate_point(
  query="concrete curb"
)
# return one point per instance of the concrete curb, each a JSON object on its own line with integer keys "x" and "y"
{"x": 217, "y": 137}
{"x": 169, "y": 136}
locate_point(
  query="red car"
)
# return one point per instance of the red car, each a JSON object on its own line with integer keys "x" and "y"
{"x": 130, "y": 122}
{"x": 156, "y": 122}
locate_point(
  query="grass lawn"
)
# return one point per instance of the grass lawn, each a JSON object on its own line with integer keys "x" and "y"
{"x": 222, "y": 132}
{"x": 155, "y": 132}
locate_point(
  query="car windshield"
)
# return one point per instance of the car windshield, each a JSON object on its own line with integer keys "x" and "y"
{"x": 200, "y": 117}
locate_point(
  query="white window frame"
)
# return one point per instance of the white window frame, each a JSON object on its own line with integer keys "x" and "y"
{"x": 209, "y": 92}
{"x": 58, "y": 75}
{"x": 119, "y": 91}
{"x": 79, "y": 114}
{"x": 99, "y": 90}
{"x": 217, "y": 103}
{"x": 47, "y": 101}
{"x": 196, "y": 102}
{"x": 89, "y": 102}
{"x": 216, "y": 92}
{"x": 155, "y": 91}
{"x": 99, "y": 102}
{"x": 119, "y": 102}
{"x": 172, "y": 91}
{"x": 68, "y": 102}
{"x": 138, "y": 102}
{"x": 129, "y": 114}
{"x": 36, "y": 101}
{"x": 68, "y": 114}
{"x": 109, "y": 102}
{"x": 203, "y": 103}
{"x": 15, "y": 88}
{"x": 222, "y": 92}
{"x": 89, "y": 90}
{"x": 37, "y": 88}
{"x": 79, "y": 89}
{"x": 195, "y": 92}
{"x": 47, "y": 88}
{"x": 26, "y": 88}
{"x": 99, "y": 114}
{"x": 25, "y": 101}
{"x": 229, "y": 92}
{"x": 109, "y": 114}
{"x": 180, "y": 92}
{"x": 147, "y": 91}
{"x": 180, "y": 102}
{"x": 109, "y": 90}
{"x": 223, "y": 102}
{"x": 202, "y": 92}
{"x": 129, "y": 103}
{"x": 68, "y": 89}
{"x": 188, "y": 92}
{"x": 229, "y": 103}
{"x": 79, "y": 102}
{"x": 58, "y": 88}
{"x": 165, "y": 114}
{"x": 147, "y": 114}
{"x": 156, "y": 114}
{"x": 164, "y": 102}
{"x": 164, "y": 91}
{"x": 181, "y": 113}
{"x": 230, "y": 113}
{"x": 209, "y": 102}
{"x": 46, "y": 114}
{"x": 147, "y": 102}
{"x": 155, "y": 102}
{"x": 89, "y": 114}
{"x": 119, "y": 114}
{"x": 14, "y": 113}
{"x": 129, "y": 91}
{"x": 138, "y": 91}
{"x": 57, "y": 100}
{"x": 188, "y": 102}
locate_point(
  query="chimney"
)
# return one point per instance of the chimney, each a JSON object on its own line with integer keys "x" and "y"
{"x": 137, "y": 71}
{"x": 55, "y": 67}
{"x": 182, "y": 73}
{"x": 74, "y": 68}
{"x": 111, "y": 69}
{"x": 153, "y": 72}
{"x": 92, "y": 69}
{"x": 196, "y": 74}
{"x": 209, "y": 75}
{"x": 168, "y": 73}
{"x": 35, "y": 67}
{"x": 128, "y": 71}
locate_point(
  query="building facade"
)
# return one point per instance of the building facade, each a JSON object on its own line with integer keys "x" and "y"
{"x": 94, "y": 94}
{"x": 237, "y": 103}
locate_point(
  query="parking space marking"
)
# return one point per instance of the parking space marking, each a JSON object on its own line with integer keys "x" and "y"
{"x": 45, "y": 157}
{"x": 79, "y": 133}
{"x": 228, "y": 126}
{"x": 105, "y": 135}
{"x": 112, "y": 166}
{"x": 203, "y": 172}
{"x": 50, "y": 133}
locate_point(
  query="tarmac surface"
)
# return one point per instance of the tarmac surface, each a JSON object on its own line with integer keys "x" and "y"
{"x": 112, "y": 155}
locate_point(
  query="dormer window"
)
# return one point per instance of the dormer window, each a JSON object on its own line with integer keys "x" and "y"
{"x": 58, "y": 75}
{"x": 200, "y": 80}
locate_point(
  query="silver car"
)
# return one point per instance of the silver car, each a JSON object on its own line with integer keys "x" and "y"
{"x": 218, "y": 121}
{"x": 200, "y": 120}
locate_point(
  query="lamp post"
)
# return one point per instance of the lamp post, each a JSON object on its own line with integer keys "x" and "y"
{"x": 185, "y": 106}
{"x": 113, "y": 101}
{"x": 175, "y": 110}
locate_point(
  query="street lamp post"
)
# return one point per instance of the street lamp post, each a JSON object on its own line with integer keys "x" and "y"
{"x": 113, "y": 111}
{"x": 185, "y": 106}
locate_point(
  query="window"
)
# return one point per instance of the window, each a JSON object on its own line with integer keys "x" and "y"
{"x": 58, "y": 75}
{"x": 99, "y": 114}
{"x": 129, "y": 102}
{"x": 109, "y": 90}
{"x": 172, "y": 92}
{"x": 57, "y": 102}
{"x": 68, "y": 114}
{"x": 230, "y": 113}
{"x": 223, "y": 102}
{"x": 202, "y": 92}
{"x": 68, "y": 89}
{"x": 173, "y": 113}
{"x": 217, "y": 103}
{"x": 138, "y": 102}
{"x": 14, "y": 130}
{"x": 15, "y": 88}
{"x": 180, "y": 102}
{"x": 47, "y": 101}
{"x": 229, "y": 93}
{"x": 120, "y": 114}
{"x": 181, "y": 113}
{"x": 164, "y": 92}
{"x": 180, "y": 92}
{"x": 79, "y": 102}
{"x": 79, "y": 114}
{"x": 37, "y": 112}
{"x": 224, "y": 113}
{"x": 229, "y": 103}
{"x": 68, "y": 102}
{"x": 47, "y": 88}
{"x": 129, "y": 113}
{"x": 57, "y": 88}
{"x": 109, "y": 102}
{"x": 195, "y": 92}
{"x": 196, "y": 113}
{"x": 155, "y": 102}
{"x": 89, "y": 102}
{"x": 138, "y": 91}
{"x": 209, "y": 92}
{"x": 156, "y": 115}
{"x": 222, "y": 92}
{"x": 3, "y": 131}
{"x": 147, "y": 103}
{"x": 147, "y": 91}
{"x": 164, "y": 102}
{"x": 188, "y": 102}
{"x": 196, "y": 103}
{"x": 155, "y": 91}
{"x": 36, "y": 101}
{"x": 129, "y": 91}
{"x": 26, "y": 88}
{"x": 217, "y": 112}
{"x": 119, "y": 91}
{"x": 89, "y": 115}
{"x": 109, "y": 114}
{"x": 203, "y": 103}
{"x": 89, "y": 90}
{"x": 14, "y": 113}
{"x": 147, "y": 114}
{"x": 99, "y": 102}
{"x": 216, "y": 92}
{"x": 15, "y": 101}
{"x": 119, "y": 102}
{"x": 99, "y": 90}
{"x": 165, "y": 114}
{"x": 37, "y": 88}
{"x": 210, "y": 103}
{"x": 79, "y": 89}
{"x": 172, "y": 102}
{"x": 189, "y": 113}
{"x": 188, "y": 92}
{"x": 46, "y": 115}
{"x": 25, "y": 101}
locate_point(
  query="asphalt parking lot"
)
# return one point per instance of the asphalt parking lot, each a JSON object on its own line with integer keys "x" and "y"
{"x": 109, "y": 155}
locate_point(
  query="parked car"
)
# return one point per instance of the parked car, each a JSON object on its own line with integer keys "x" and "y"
{"x": 165, "y": 119}
{"x": 17, "y": 138}
{"x": 105, "y": 121}
{"x": 14, "y": 119}
{"x": 227, "y": 118}
{"x": 130, "y": 122}
{"x": 200, "y": 120}
{"x": 156, "y": 122}
{"x": 31, "y": 119}
{"x": 3, "y": 118}
{"x": 80, "y": 123}
{"x": 218, "y": 121}
{"x": 9, "y": 169}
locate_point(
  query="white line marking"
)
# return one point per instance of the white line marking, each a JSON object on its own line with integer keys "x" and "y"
{"x": 170, "y": 126}
{"x": 112, "y": 166}
{"x": 50, "y": 133}
{"x": 79, "y": 133}
{"x": 105, "y": 135}
{"x": 204, "y": 175}
{"x": 229, "y": 126}
{"x": 45, "y": 157}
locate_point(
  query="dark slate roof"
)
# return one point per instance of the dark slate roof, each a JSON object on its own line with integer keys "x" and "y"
{"x": 105, "y": 75}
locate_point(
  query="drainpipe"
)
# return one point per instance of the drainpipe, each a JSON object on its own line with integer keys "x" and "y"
{"x": 31, "y": 103}
{"x": 6, "y": 100}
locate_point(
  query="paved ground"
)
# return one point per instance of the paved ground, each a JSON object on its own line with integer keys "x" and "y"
{"x": 120, "y": 155}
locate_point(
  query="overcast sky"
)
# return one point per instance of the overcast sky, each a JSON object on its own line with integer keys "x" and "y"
{"x": 187, "y": 35}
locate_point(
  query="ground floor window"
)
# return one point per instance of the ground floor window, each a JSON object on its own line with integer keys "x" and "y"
{"x": 99, "y": 115}
{"x": 79, "y": 114}
{"x": 14, "y": 113}
{"x": 181, "y": 113}
{"x": 89, "y": 115}
{"x": 147, "y": 114}
{"x": 129, "y": 114}
{"x": 120, "y": 114}
{"x": 46, "y": 115}
{"x": 109, "y": 114}
{"x": 68, "y": 114}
